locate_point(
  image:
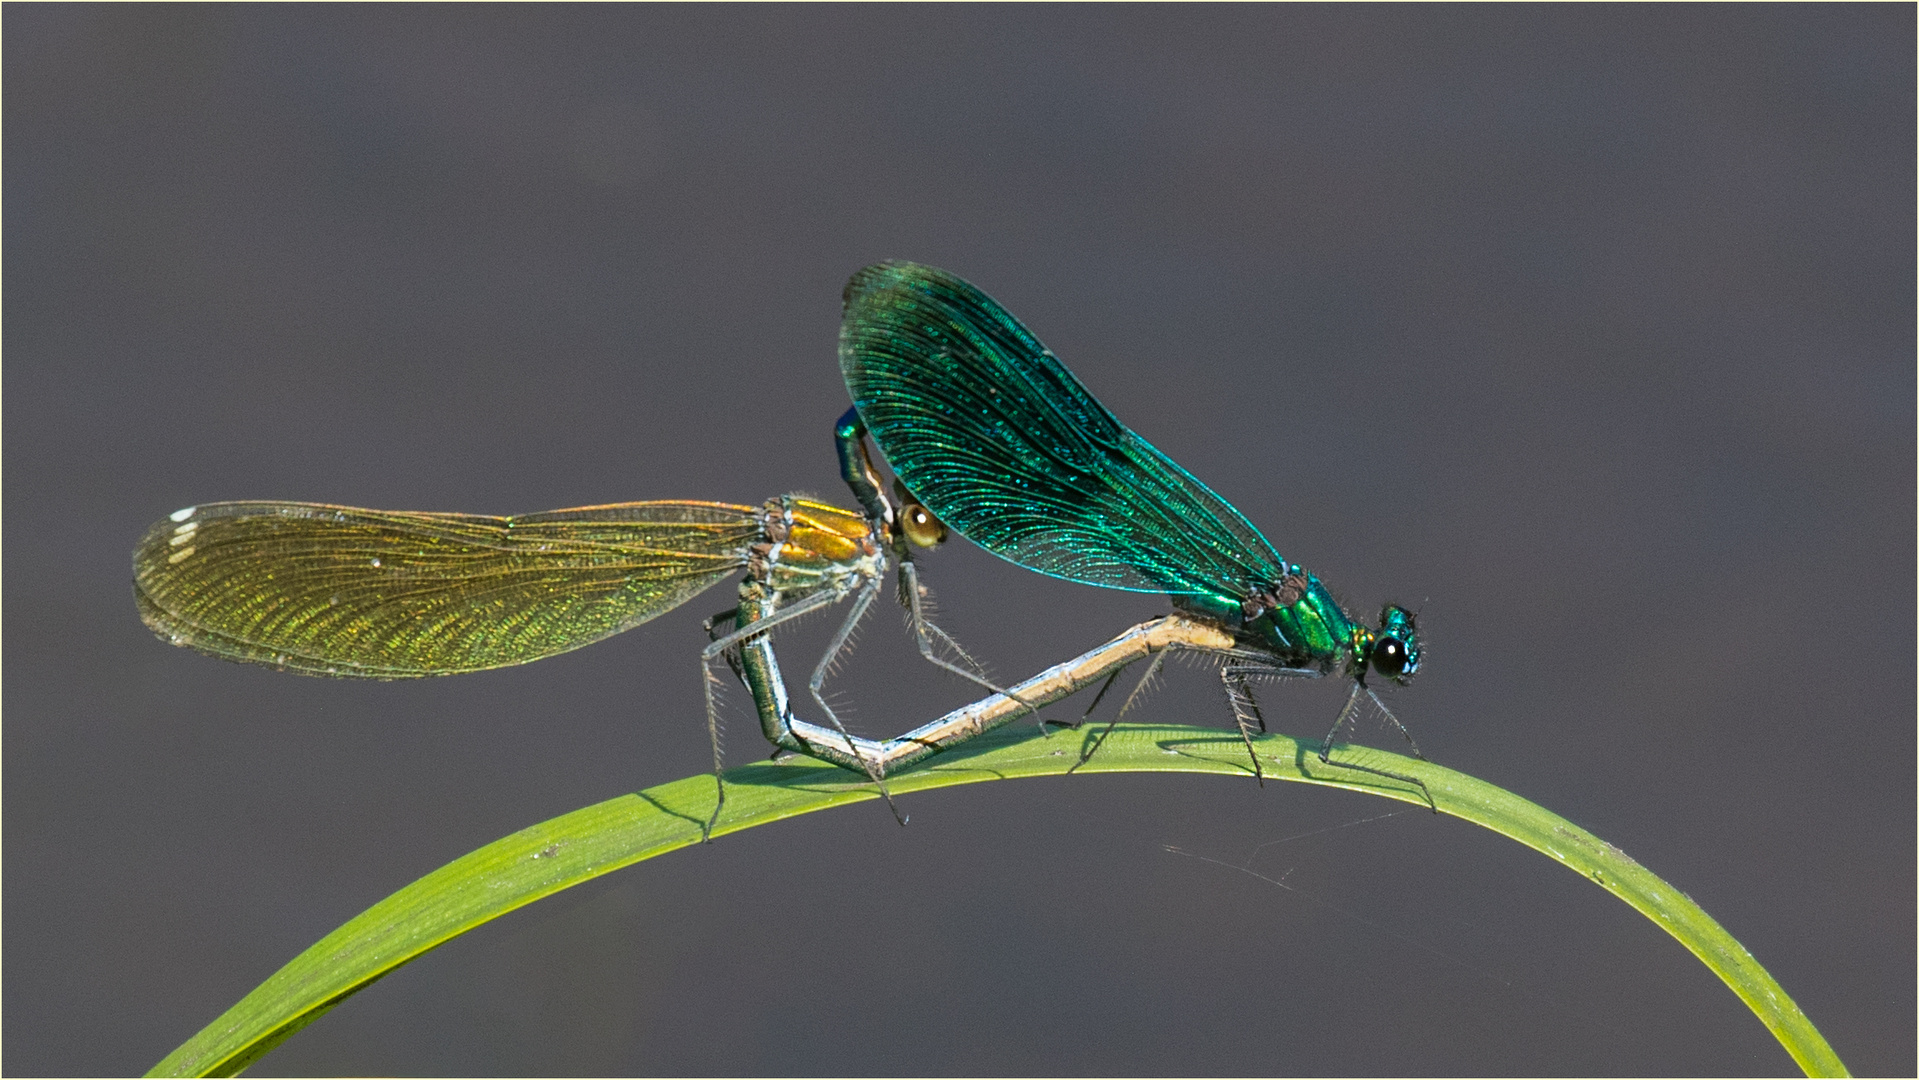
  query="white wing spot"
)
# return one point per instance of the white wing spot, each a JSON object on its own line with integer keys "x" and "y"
{"x": 183, "y": 534}
{"x": 376, "y": 562}
{"x": 182, "y": 515}
{"x": 180, "y": 554}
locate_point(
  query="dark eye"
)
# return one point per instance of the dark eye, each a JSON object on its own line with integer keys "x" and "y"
{"x": 920, "y": 526}
{"x": 1389, "y": 656}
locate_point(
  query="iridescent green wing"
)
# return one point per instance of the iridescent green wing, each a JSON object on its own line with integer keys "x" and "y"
{"x": 335, "y": 590}
{"x": 987, "y": 428}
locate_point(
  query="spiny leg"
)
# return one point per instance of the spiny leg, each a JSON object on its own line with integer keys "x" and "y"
{"x": 718, "y": 648}
{"x": 707, "y": 680}
{"x": 1352, "y": 703}
{"x": 1388, "y": 714}
{"x": 932, "y": 630}
{"x": 1245, "y": 709}
{"x": 911, "y": 595}
{"x": 1345, "y": 713}
{"x": 728, "y": 618}
{"x": 923, "y": 629}
{"x": 860, "y": 604}
{"x": 1139, "y": 687}
{"x": 1240, "y": 694}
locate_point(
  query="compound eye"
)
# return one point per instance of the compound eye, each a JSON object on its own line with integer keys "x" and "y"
{"x": 1389, "y": 656}
{"x": 920, "y": 526}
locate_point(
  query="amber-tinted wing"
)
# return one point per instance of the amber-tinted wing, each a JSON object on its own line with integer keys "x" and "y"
{"x": 376, "y": 594}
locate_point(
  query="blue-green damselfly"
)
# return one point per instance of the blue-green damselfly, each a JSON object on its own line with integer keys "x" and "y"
{"x": 988, "y": 431}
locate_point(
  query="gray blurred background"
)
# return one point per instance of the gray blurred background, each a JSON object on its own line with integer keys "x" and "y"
{"x": 1586, "y": 331}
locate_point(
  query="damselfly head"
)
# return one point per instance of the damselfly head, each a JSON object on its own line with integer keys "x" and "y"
{"x": 1395, "y": 648}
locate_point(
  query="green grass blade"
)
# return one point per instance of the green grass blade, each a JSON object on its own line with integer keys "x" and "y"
{"x": 576, "y": 847}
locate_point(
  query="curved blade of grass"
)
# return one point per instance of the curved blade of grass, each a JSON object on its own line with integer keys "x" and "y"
{"x": 586, "y": 843}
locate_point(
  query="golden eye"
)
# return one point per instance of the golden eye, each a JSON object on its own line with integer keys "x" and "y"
{"x": 920, "y": 526}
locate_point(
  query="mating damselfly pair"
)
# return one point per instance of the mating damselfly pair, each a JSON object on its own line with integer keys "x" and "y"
{"x": 985, "y": 431}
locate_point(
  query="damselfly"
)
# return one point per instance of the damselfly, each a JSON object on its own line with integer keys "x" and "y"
{"x": 987, "y": 429}
{"x": 351, "y": 593}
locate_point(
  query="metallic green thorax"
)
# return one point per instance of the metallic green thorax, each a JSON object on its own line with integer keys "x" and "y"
{"x": 986, "y": 428}
{"x": 1310, "y": 632}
